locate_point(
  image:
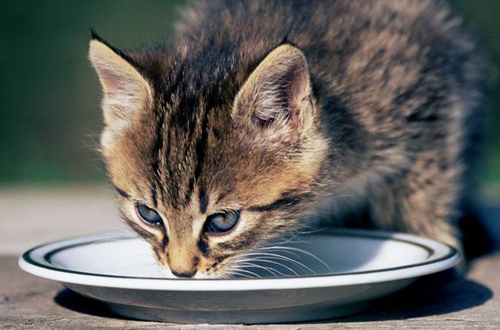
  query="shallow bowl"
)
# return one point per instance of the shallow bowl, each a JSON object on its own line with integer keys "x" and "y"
{"x": 324, "y": 275}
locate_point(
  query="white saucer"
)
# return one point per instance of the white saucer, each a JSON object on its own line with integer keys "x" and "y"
{"x": 350, "y": 268}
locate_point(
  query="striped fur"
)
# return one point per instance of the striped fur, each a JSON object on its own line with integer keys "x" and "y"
{"x": 290, "y": 110}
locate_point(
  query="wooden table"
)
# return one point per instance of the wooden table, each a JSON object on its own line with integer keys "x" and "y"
{"x": 441, "y": 301}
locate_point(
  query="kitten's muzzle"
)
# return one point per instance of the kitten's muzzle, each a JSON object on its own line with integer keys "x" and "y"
{"x": 182, "y": 263}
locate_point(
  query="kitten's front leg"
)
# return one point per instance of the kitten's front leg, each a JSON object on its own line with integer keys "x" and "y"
{"x": 422, "y": 200}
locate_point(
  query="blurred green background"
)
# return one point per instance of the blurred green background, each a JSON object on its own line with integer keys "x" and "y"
{"x": 49, "y": 107}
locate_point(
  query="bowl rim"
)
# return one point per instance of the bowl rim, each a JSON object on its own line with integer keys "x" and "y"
{"x": 441, "y": 256}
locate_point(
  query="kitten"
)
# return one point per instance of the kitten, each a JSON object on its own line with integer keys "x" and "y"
{"x": 262, "y": 115}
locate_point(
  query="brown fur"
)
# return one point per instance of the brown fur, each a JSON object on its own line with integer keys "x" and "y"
{"x": 286, "y": 110}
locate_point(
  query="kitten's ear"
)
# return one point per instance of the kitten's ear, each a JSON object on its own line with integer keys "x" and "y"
{"x": 276, "y": 98}
{"x": 126, "y": 92}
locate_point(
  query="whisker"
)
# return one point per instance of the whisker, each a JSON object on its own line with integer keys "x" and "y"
{"x": 276, "y": 263}
{"x": 301, "y": 251}
{"x": 282, "y": 251}
{"x": 274, "y": 255}
{"x": 272, "y": 271}
{"x": 248, "y": 272}
{"x": 235, "y": 272}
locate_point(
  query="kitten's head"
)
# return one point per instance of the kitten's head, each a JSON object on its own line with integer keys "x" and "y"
{"x": 209, "y": 163}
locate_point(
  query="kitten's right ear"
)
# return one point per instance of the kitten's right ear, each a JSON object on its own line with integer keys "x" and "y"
{"x": 126, "y": 92}
{"x": 276, "y": 100}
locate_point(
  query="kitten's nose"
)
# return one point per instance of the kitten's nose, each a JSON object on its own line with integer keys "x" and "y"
{"x": 185, "y": 274}
{"x": 182, "y": 266}
{"x": 182, "y": 256}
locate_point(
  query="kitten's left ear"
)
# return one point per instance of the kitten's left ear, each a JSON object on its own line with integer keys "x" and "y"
{"x": 126, "y": 92}
{"x": 276, "y": 99}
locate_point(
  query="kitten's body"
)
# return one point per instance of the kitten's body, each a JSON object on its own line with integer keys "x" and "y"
{"x": 289, "y": 110}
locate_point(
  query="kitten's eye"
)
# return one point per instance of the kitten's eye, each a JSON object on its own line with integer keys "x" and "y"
{"x": 148, "y": 214}
{"x": 222, "y": 222}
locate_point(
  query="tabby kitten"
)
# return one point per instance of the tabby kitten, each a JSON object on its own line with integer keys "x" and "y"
{"x": 262, "y": 115}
